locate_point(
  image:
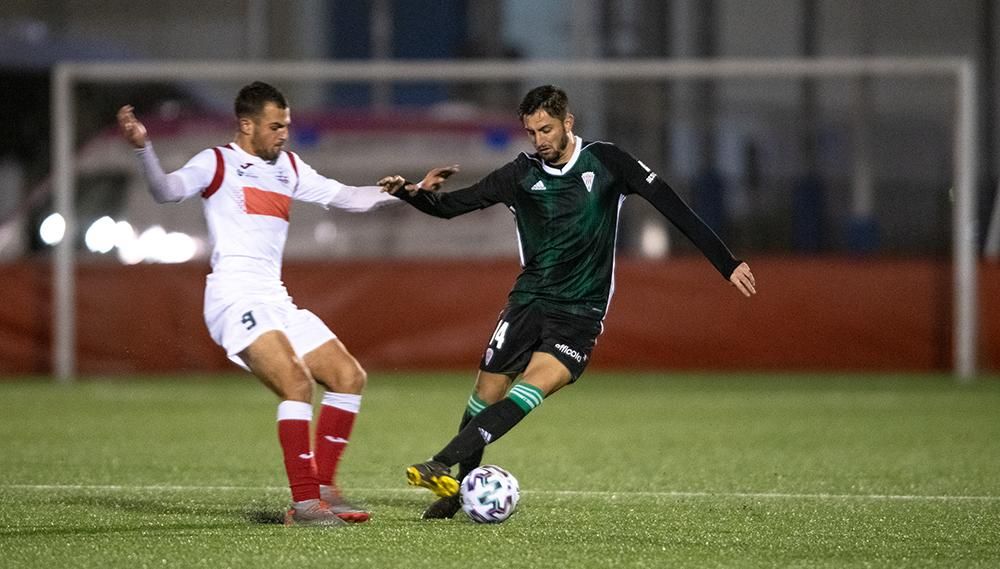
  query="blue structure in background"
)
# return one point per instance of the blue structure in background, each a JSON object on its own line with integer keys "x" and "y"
{"x": 808, "y": 215}
{"x": 710, "y": 199}
{"x": 862, "y": 234}
{"x": 411, "y": 39}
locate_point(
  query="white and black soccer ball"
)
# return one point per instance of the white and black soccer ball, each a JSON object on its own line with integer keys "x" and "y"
{"x": 489, "y": 494}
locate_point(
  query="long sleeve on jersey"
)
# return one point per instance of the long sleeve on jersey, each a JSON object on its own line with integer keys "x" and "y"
{"x": 667, "y": 202}
{"x": 316, "y": 188}
{"x": 361, "y": 198}
{"x": 165, "y": 188}
{"x": 496, "y": 187}
{"x": 642, "y": 181}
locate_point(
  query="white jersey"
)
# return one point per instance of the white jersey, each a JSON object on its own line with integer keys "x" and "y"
{"x": 247, "y": 203}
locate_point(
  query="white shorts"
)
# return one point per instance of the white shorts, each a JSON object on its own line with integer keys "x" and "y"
{"x": 235, "y": 324}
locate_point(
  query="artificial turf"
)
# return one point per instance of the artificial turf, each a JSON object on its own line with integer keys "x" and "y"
{"x": 650, "y": 470}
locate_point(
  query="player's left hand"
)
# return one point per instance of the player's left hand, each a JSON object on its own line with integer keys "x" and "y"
{"x": 392, "y": 184}
{"x": 743, "y": 280}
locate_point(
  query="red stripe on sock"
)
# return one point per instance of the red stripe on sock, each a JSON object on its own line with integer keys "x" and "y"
{"x": 299, "y": 463}
{"x": 335, "y": 424}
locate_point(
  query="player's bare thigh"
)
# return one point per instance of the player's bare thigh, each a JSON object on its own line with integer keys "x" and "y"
{"x": 547, "y": 373}
{"x": 492, "y": 387}
{"x": 271, "y": 358}
{"x": 334, "y": 367}
{"x": 544, "y": 371}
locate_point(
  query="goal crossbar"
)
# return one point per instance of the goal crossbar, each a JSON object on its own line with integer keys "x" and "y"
{"x": 965, "y": 160}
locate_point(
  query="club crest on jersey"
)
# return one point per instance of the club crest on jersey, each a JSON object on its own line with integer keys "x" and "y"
{"x": 588, "y": 180}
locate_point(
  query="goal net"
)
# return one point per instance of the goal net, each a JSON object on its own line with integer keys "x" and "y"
{"x": 854, "y": 159}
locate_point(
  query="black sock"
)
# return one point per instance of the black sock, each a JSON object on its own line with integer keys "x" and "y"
{"x": 469, "y": 464}
{"x": 486, "y": 427}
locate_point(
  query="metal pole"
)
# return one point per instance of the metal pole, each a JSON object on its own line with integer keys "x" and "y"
{"x": 964, "y": 218}
{"x": 63, "y": 281}
{"x": 992, "y": 247}
{"x": 381, "y": 50}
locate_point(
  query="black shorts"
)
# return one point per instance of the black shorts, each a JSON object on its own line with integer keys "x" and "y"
{"x": 524, "y": 329}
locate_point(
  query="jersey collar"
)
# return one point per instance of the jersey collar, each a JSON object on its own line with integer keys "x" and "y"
{"x": 568, "y": 165}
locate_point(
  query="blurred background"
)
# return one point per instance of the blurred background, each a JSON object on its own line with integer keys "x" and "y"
{"x": 838, "y": 191}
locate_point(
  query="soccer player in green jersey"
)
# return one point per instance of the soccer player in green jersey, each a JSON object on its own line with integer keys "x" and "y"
{"x": 565, "y": 198}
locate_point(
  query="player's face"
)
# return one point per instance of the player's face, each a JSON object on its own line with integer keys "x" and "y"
{"x": 551, "y": 137}
{"x": 269, "y": 131}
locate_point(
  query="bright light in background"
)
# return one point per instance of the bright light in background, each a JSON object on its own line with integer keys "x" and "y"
{"x": 100, "y": 237}
{"x": 325, "y": 232}
{"x": 52, "y": 229}
{"x": 177, "y": 248}
{"x": 130, "y": 253}
{"x": 654, "y": 241}
{"x": 150, "y": 242}
{"x": 154, "y": 245}
{"x": 124, "y": 234}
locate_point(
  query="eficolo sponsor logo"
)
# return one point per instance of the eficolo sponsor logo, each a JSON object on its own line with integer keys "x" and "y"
{"x": 563, "y": 348}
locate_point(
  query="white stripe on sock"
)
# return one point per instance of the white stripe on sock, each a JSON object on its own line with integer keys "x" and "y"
{"x": 526, "y": 394}
{"x": 350, "y": 402}
{"x": 295, "y": 411}
{"x": 475, "y": 405}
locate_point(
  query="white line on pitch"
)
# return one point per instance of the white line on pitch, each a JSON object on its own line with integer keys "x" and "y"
{"x": 594, "y": 493}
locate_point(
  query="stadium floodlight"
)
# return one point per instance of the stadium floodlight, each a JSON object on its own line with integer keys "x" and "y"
{"x": 965, "y": 159}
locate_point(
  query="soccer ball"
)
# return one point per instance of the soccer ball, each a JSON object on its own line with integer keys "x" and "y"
{"x": 489, "y": 494}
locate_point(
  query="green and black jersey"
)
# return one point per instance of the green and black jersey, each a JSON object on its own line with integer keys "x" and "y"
{"x": 567, "y": 221}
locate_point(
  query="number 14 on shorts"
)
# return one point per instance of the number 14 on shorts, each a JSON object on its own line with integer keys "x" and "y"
{"x": 499, "y": 334}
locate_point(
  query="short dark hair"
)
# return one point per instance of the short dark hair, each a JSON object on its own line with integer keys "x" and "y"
{"x": 548, "y": 98}
{"x": 252, "y": 98}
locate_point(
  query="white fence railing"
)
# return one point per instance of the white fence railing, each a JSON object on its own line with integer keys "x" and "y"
{"x": 962, "y": 71}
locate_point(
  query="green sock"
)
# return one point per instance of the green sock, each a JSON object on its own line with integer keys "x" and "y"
{"x": 475, "y": 405}
{"x": 526, "y": 396}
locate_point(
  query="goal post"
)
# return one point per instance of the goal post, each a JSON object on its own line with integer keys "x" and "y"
{"x": 965, "y": 160}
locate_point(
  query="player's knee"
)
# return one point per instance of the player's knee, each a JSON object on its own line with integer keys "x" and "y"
{"x": 347, "y": 379}
{"x": 296, "y": 388}
{"x": 490, "y": 389}
{"x": 354, "y": 380}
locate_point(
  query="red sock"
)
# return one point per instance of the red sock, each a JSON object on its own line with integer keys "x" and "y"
{"x": 293, "y": 433}
{"x": 333, "y": 430}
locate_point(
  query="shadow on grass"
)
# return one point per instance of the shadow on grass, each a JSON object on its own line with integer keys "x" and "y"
{"x": 265, "y": 517}
{"x": 137, "y": 528}
{"x": 130, "y": 514}
{"x": 116, "y": 514}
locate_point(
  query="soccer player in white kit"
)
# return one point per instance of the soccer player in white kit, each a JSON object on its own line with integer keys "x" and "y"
{"x": 247, "y": 188}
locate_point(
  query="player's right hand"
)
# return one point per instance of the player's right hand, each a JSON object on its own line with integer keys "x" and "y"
{"x": 433, "y": 180}
{"x": 133, "y": 130}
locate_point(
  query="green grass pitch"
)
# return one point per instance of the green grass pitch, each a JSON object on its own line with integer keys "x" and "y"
{"x": 649, "y": 470}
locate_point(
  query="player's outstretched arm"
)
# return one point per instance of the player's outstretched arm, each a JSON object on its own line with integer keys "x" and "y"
{"x": 436, "y": 177}
{"x": 432, "y": 181}
{"x": 743, "y": 280}
{"x": 132, "y": 130}
{"x": 496, "y": 187}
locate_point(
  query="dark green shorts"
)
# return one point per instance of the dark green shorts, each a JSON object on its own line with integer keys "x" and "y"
{"x": 524, "y": 329}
